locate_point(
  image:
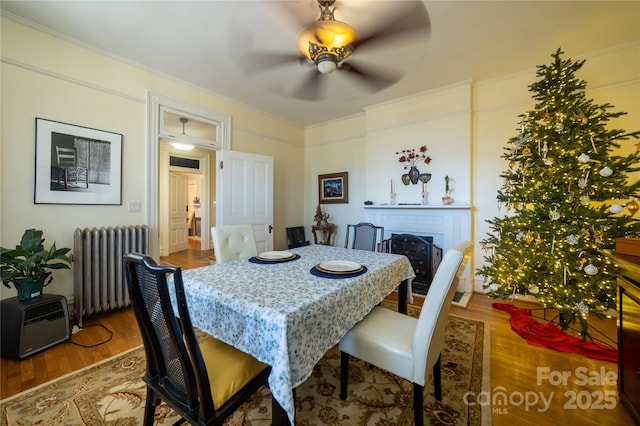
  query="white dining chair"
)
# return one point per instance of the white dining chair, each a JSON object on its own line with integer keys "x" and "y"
{"x": 233, "y": 242}
{"x": 406, "y": 346}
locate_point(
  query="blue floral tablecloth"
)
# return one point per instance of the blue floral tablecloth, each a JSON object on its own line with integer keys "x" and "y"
{"x": 282, "y": 314}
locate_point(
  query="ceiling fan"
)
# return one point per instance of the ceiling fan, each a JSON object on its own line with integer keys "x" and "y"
{"x": 330, "y": 45}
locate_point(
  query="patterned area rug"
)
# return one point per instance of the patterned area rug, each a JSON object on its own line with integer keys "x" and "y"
{"x": 112, "y": 393}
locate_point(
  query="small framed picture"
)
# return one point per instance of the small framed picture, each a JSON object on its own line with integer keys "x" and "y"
{"x": 333, "y": 188}
{"x": 77, "y": 165}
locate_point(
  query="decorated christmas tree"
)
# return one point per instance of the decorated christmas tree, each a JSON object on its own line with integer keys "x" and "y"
{"x": 567, "y": 196}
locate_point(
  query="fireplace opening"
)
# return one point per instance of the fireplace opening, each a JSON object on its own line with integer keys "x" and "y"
{"x": 423, "y": 254}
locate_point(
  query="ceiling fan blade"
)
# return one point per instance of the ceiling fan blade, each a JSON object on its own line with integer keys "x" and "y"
{"x": 413, "y": 17}
{"x": 261, "y": 61}
{"x": 310, "y": 89}
{"x": 375, "y": 80}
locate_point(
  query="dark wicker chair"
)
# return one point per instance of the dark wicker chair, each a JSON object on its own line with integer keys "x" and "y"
{"x": 364, "y": 236}
{"x": 204, "y": 382}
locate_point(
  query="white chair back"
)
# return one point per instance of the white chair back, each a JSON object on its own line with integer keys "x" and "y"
{"x": 233, "y": 242}
{"x": 428, "y": 339}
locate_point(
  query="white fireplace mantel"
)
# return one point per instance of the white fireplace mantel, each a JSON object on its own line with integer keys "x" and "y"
{"x": 448, "y": 225}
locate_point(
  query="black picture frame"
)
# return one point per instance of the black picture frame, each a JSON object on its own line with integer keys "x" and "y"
{"x": 77, "y": 165}
{"x": 333, "y": 188}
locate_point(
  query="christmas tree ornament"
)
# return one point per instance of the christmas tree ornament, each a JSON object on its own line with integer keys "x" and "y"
{"x": 590, "y": 269}
{"x": 582, "y": 118}
{"x": 553, "y": 214}
{"x": 585, "y": 200}
{"x": 559, "y": 127}
{"x": 582, "y": 307}
{"x": 534, "y": 289}
{"x": 572, "y": 240}
{"x": 597, "y": 236}
{"x": 582, "y": 182}
{"x": 584, "y": 158}
{"x": 593, "y": 145}
{"x": 615, "y": 208}
{"x": 632, "y": 206}
{"x": 526, "y": 152}
{"x": 606, "y": 171}
{"x": 528, "y": 238}
{"x": 582, "y": 262}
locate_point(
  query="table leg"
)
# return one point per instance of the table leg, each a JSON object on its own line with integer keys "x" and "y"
{"x": 279, "y": 416}
{"x": 402, "y": 297}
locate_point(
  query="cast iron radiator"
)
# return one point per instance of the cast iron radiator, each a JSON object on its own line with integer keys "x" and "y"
{"x": 99, "y": 283}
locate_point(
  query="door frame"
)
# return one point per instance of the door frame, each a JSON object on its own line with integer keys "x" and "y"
{"x": 204, "y": 171}
{"x": 154, "y": 103}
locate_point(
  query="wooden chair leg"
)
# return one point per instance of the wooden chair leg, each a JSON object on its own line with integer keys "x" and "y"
{"x": 344, "y": 374}
{"x": 418, "y": 405}
{"x": 150, "y": 407}
{"x": 437, "y": 382}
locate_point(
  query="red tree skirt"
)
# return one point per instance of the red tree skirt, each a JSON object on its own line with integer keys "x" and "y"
{"x": 550, "y": 336}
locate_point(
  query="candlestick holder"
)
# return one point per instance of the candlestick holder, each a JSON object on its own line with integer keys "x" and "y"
{"x": 425, "y": 196}
{"x": 392, "y": 198}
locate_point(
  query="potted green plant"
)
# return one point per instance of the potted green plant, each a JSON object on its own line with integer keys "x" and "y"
{"x": 29, "y": 265}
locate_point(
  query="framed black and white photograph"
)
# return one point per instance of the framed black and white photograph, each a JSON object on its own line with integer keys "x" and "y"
{"x": 333, "y": 188}
{"x": 77, "y": 165}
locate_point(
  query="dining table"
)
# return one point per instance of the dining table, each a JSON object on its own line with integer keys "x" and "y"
{"x": 287, "y": 309}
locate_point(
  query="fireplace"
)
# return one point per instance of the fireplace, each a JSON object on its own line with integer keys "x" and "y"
{"x": 424, "y": 255}
{"x": 443, "y": 226}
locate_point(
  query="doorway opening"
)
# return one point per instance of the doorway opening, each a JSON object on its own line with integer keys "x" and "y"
{"x": 173, "y": 126}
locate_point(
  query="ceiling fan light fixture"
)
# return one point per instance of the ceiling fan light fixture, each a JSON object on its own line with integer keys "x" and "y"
{"x": 326, "y": 42}
{"x": 326, "y": 63}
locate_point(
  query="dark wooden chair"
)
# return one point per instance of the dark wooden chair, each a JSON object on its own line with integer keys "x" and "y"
{"x": 364, "y": 236}
{"x": 203, "y": 381}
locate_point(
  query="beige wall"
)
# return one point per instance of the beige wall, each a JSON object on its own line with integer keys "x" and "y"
{"x": 464, "y": 125}
{"x": 43, "y": 76}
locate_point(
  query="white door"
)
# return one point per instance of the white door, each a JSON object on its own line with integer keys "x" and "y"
{"x": 178, "y": 213}
{"x": 245, "y": 188}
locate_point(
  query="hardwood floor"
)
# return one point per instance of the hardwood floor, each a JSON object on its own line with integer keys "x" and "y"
{"x": 523, "y": 387}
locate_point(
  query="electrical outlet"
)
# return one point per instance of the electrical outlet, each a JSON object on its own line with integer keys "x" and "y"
{"x": 135, "y": 206}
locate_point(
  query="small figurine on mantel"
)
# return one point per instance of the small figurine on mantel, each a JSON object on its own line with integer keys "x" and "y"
{"x": 321, "y": 218}
{"x": 448, "y": 188}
